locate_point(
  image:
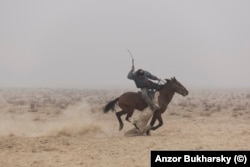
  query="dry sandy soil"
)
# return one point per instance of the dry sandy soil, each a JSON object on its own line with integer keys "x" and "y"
{"x": 56, "y": 127}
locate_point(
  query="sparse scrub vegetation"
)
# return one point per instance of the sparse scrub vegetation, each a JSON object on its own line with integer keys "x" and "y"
{"x": 44, "y": 104}
{"x": 208, "y": 103}
{"x": 41, "y": 100}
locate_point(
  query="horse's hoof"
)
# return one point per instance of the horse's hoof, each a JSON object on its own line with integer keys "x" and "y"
{"x": 136, "y": 126}
{"x": 121, "y": 127}
{"x": 131, "y": 120}
{"x": 148, "y": 133}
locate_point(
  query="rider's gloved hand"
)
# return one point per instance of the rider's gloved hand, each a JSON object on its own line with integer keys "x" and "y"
{"x": 160, "y": 80}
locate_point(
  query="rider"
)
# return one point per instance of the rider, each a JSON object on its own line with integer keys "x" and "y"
{"x": 142, "y": 80}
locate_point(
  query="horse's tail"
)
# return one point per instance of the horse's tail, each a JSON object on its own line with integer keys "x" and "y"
{"x": 110, "y": 105}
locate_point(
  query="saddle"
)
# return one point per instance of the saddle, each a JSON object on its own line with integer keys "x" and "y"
{"x": 151, "y": 93}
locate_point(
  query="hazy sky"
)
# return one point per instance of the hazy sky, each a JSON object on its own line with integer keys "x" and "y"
{"x": 83, "y": 43}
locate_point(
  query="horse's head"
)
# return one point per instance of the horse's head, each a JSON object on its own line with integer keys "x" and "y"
{"x": 177, "y": 86}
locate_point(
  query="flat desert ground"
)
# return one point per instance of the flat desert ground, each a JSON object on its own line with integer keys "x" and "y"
{"x": 66, "y": 127}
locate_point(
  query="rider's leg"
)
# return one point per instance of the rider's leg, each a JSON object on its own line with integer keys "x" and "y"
{"x": 146, "y": 98}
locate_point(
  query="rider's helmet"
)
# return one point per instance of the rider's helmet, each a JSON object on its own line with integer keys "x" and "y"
{"x": 140, "y": 72}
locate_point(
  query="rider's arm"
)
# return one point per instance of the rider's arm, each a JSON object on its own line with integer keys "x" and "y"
{"x": 131, "y": 73}
{"x": 150, "y": 76}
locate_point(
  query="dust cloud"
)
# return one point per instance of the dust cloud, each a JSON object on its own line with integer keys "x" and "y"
{"x": 58, "y": 116}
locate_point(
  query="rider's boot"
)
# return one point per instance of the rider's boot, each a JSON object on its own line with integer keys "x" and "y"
{"x": 155, "y": 107}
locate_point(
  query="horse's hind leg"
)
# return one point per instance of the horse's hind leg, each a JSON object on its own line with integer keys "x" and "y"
{"x": 128, "y": 118}
{"x": 118, "y": 115}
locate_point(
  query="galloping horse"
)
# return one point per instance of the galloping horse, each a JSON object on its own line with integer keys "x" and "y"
{"x": 130, "y": 101}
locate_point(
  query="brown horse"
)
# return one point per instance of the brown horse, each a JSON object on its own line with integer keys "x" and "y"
{"x": 130, "y": 101}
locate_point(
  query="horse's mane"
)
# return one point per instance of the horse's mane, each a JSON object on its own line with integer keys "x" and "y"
{"x": 163, "y": 85}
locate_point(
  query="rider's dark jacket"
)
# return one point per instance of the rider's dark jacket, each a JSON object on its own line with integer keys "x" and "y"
{"x": 142, "y": 81}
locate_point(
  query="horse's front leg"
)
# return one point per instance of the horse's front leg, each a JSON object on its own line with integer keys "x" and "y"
{"x": 160, "y": 122}
{"x": 156, "y": 116}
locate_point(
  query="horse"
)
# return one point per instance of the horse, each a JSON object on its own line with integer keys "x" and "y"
{"x": 129, "y": 101}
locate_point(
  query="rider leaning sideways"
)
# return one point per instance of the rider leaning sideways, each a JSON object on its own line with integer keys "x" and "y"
{"x": 143, "y": 81}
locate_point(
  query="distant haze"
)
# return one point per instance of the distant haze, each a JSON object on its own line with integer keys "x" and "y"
{"x": 83, "y": 43}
